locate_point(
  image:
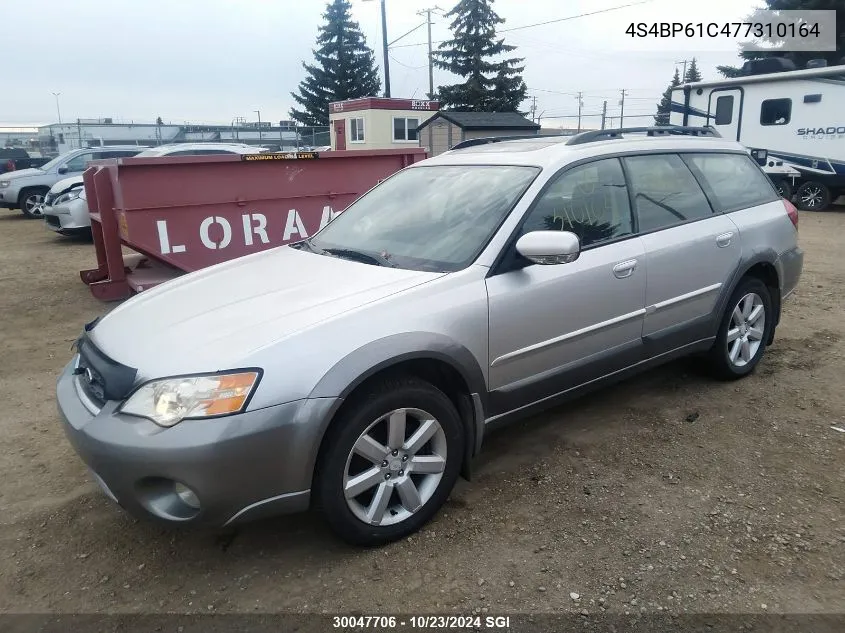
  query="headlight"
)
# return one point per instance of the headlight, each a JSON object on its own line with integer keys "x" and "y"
{"x": 4, "y": 184}
{"x": 171, "y": 400}
{"x": 82, "y": 194}
{"x": 73, "y": 194}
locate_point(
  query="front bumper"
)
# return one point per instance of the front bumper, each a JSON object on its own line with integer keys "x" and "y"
{"x": 243, "y": 467}
{"x": 9, "y": 197}
{"x": 68, "y": 217}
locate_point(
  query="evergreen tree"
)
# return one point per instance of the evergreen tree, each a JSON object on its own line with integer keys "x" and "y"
{"x": 345, "y": 67}
{"x": 693, "y": 74}
{"x": 664, "y": 108}
{"x": 800, "y": 58}
{"x": 491, "y": 84}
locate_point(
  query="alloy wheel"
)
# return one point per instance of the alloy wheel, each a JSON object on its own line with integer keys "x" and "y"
{"x": 746, "y": 329}
{"x": 812, "y": 196}
{"x": 395, "y": 467}
{"x": 34, "y": 205}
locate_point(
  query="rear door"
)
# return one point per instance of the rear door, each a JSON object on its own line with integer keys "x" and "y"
{"x": 724, "y": 110}
{"x": 691, "y": 250}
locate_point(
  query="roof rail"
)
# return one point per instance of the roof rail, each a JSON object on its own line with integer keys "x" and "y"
{"x": 498, "y": 139}
{"x": 664, "y": 130}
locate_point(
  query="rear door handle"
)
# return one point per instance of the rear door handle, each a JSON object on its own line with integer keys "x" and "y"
{"x": 724, "y": 240}
{"x": 625, "y": 269}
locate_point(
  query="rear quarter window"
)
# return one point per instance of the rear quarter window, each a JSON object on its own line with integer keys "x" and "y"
{"x": 733, "y": 180}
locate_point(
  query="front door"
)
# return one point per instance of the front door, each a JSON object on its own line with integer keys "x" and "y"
{"x": 553, "y": 327}
{"x": 340, "y": 135}
{"x": 723, "y": 111}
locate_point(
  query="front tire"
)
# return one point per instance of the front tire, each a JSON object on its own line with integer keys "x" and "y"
{"x": 31, "y": 202}
{"x": 390, "y": 461}
{"x": 745, "y": 328}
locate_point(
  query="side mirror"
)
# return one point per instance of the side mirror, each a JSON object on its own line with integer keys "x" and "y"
{"x": 549, "y": 247}
{"x": 62, "y": 169}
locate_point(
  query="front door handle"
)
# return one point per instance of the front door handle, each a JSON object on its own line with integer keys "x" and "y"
{"x": 625, "y": 269}
{"x": 724, "y": 240}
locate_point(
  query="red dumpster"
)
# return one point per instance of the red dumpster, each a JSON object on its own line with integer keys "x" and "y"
{"x": 181, "y": 214}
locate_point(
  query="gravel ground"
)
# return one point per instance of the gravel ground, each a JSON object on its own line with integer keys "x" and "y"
{"x": 669, "y": 492}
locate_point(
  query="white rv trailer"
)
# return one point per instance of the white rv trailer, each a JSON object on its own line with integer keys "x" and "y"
{"x": 789, "y": 119}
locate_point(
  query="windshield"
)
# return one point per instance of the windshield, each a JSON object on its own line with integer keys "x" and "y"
{"x": 428, "y": 218}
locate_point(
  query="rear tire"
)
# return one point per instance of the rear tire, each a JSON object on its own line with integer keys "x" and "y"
{"x": 389, "y": 461}
{"x": 813, "y": 196}
{"x": 31, "y": 201}
{"x": 745, "y": 328}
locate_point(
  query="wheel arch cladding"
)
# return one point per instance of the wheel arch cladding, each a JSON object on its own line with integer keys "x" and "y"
{"x": 435, "y": 358}
{"x": 762, "y": 266}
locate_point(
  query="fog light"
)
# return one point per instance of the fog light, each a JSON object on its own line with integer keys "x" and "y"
{"x": 187, "y": 495}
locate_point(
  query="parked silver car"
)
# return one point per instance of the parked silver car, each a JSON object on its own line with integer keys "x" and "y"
{"x": 25, "y": 189}
{"x": 360, "y": 369}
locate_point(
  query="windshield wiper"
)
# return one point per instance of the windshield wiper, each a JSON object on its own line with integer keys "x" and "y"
{"x": 308, "y": 246}
{"x": 360, "y": 256}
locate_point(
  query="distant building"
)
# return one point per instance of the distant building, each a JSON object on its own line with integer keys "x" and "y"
{"x": 58, "y": 138}
{"x": 448, "y": 128}
{"x": 378, "y": 123}
{"x": 16, "y": 136}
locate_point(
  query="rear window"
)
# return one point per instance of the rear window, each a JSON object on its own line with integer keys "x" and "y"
{"x": 665, "y": 192}
{"x": 732, "y": 179}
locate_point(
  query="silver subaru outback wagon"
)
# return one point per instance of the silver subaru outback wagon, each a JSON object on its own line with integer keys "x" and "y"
{"x": 358, "y": 370}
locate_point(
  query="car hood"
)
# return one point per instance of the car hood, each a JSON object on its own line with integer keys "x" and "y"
{"x": 217, "y": 317}
{"x": 22, "y": 173}
{"x": 66, "y": 183}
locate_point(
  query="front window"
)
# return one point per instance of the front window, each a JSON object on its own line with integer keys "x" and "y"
{"x": 590, "y": 201}
{"x": 405, "y": 129}
{"x": 356, "y": 130}
{"x": 77, "y": 163}
{"x": 427, "y": 218}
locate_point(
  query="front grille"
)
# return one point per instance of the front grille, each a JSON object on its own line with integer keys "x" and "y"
{"x": 48, "y": 199}
{"x": 53, "y": 220}
{"x": 100, "y": 377}
{"x": 91, "y": 381}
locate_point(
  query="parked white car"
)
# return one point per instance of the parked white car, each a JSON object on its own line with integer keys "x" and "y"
{"x": 65, "y": 207}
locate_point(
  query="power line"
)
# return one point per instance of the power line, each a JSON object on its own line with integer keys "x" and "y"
{"x": 531, "y": 26}
{"x": 573, "y": 17}
{"x": 406, "y": 65}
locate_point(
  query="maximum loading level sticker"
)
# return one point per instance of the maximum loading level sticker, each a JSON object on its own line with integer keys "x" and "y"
{"x": 280, "y": 156}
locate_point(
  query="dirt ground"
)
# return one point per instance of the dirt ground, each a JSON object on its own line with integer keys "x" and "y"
{"x": 669, "y": 492}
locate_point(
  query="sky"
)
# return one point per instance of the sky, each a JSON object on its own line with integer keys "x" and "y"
{"x": 210, "y": 61}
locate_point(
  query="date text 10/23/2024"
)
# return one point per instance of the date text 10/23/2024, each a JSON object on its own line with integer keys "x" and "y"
{"x": 384, "y": 623}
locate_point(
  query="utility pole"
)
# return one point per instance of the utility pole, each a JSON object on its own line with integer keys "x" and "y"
{"x": 534, "y": 108}
{"x": 384, "y": 46}
{"x": 580, "y": 105}
{"x": 622, "y": 113}
{"x": 603, "y": 114}
{"x": 427, "y": 13}
{"x": 683, "y": 74}
{"x": 79, "y": 132}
